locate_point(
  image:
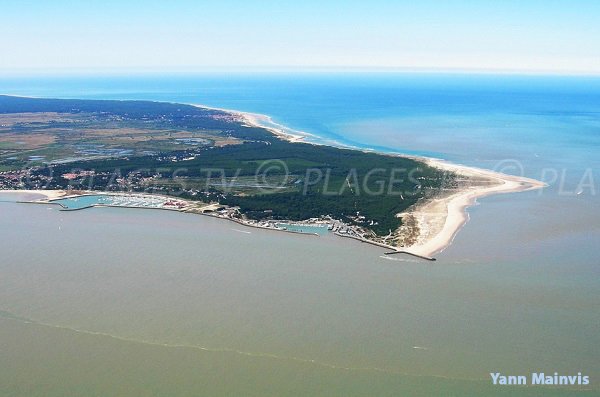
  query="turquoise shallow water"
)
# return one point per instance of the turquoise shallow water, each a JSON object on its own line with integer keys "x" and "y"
{"x": 81, "y": 202}
{"x": 320, "y": 230}
{"x": 516, "y": 292}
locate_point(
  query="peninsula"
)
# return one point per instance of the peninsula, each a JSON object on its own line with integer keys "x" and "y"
{"x": 238, "y": 166}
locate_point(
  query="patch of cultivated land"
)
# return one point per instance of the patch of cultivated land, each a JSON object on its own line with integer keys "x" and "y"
{"x": 59, "y": 136}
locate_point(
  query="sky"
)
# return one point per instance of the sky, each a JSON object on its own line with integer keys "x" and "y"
{"x": 179, "y": 35}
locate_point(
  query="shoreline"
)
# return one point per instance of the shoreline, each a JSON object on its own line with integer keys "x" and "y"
{"x": 438, "y": 220}
{"x": 48, "y": 194}
{"x": 51, "y": 196}
{"x": 454, "y": 206}
{"x": 254, "y": 120}
{"x": 435, "y": 235}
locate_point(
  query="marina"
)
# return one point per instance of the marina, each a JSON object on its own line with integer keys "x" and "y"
{"x": 304, "y": 228}
{"x": 118, "y": 200}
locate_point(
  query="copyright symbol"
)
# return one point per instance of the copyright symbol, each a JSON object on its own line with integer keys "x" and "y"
{"x": 510, "y": 166}
{"x": 273, "y": 167}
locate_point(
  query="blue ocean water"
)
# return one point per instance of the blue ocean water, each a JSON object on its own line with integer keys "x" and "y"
{"x": 454, "y": 116}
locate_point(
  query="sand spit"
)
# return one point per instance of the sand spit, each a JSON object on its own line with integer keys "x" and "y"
{"x": 437, "y": 221}
{"x": 431, "y": 224}
{"x": 440, "y": 219}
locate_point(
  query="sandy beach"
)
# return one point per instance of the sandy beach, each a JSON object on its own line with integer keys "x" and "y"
{"x": 262, "y": 121}
{"x": 439, "y": 220}
{"x": 48, "y": 194}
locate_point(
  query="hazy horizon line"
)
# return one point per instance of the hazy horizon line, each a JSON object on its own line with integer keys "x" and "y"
{"x": 82, "y": 71}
